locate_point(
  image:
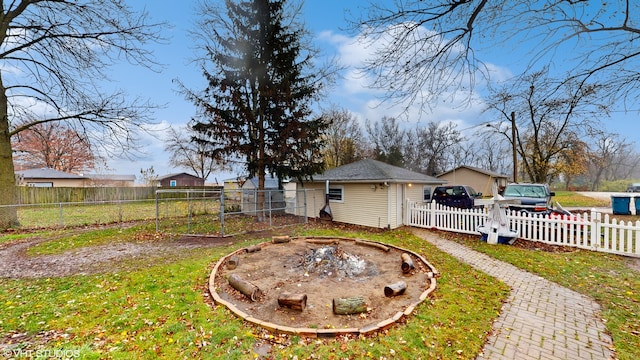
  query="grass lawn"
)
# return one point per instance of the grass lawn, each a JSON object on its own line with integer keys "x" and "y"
{"x": 570, "y": 198}
{"x": 161, "y": 309}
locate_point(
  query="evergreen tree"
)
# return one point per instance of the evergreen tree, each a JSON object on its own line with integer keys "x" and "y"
{"x": 261, "y": 82}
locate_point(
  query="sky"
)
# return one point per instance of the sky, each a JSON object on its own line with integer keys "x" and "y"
{"x": 326, "y": 20}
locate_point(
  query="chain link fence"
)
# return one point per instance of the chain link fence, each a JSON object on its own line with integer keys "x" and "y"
{"x": 189, "y": 211}
{"x": 224, "y": 212}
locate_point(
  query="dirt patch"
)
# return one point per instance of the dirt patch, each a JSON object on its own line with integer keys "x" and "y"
{"x": 145, "y": 246}
{"x": 633, "y": 263}
{"x": 15, "y": 263}
{"x": 322, "y": 272}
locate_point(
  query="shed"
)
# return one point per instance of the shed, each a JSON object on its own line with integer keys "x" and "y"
{"x": 180, "y": 179}
{"x": 275, "y": 198}
{"x": 479, "y": 179}
{"x": 367, "y": 192}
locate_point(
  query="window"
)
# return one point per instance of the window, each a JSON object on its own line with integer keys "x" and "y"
{"x": 336, "y": 193}
{"x": 40, "y": 184}
{"x": 173, "y": 183}
{"x": 426, "y": 193}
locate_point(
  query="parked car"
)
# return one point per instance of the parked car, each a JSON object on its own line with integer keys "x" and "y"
{"x": 459, "y": 196}
{"x": 530, "y": 197}
{"x": 635, "y": 187}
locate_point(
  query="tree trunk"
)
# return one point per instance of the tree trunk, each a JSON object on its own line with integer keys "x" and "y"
{"x": 280, "y": 239}
{"x": 232, "y": 263}
{"x": 254, "y": 248}
{"x": 395, "y": 289}
{"x": 8, "y": 215}
{"x": 347, "y": 306}
{"x": 373, "y": 244}
{"x": 246, "y": 288}
{"x": 260, "y": 198}
{"x": 407, "y": 263}
{"x": 293, "y": 301}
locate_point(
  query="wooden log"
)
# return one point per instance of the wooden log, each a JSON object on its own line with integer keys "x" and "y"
{"x": 395, "y": 289}
{"x": 322, "y": 241}
{"x": 407, "y": 263}
{"x": 232, "y": 262}
{"x": 254, "y": 248}
{"x": 280, "y": 239}
{"x": 246, "y": 288}
{"x": 372, "y": 244}
{"x": 292, "y": 301}
{"x": 350, "y": 305}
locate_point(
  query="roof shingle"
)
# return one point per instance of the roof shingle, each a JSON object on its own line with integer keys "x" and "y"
{"x": 372, "y": 170}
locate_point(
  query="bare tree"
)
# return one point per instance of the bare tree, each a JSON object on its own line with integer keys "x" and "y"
{"x": 54, "y": 53}
{"x": 491, "y": 155}
{"x": 343, "y": 138}
{"x": 550, "y": 115}
{"x": 610, "y": 157}
{"x": 149, "y": 177}
{"x": 428, "y": 150}
{"x": 431, "y": 149}
{"x": 388, "y": 140}
{"x": 189, "y": 151}
{"x": 431, "y": 47}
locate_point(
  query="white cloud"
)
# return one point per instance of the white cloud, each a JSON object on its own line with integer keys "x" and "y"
{"x": 355, "y": 94}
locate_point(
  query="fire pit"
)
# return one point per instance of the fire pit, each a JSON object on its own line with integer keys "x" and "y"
{"x": 320, "y": 286}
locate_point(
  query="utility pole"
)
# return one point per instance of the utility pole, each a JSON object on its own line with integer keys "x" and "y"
{"x": 513, "y": 147}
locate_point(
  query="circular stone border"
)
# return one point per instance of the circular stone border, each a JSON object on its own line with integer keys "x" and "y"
{"x": 312, "y": 332}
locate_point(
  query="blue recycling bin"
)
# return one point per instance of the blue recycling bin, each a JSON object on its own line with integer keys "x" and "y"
{"x": 637, "y": 204}
{"x": 620, "y": 204}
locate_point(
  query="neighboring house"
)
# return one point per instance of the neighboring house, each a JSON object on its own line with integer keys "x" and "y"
{"x": 479, "y": 179}
{"x": 274, "y": 196}
{"x": 110, "y": 180}
{"x": 367, "y": 192}
{"x": 47, "y": 177}
{"x": 180, "y": 179}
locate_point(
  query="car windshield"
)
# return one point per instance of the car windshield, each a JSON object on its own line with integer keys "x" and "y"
{"x": 525, "y": 191}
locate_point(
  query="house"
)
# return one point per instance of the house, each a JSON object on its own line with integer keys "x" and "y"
{"x": 180, "y": 179}
{"x": 479, "y": 179}
{"x": 367, "y": 192}
{"x": 275, "y": 198}
{"x": 47, "y": 177}
{"x": 110, "y": 180}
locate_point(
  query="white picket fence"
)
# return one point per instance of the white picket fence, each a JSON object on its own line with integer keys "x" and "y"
{"x": 593, "y": 231}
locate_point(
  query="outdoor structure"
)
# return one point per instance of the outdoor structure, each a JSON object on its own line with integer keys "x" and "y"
{"x": 357, "y": 276}
{"x": 47, "y": 177}
{"x": 367, "y": 192}
{"x": 110, "y": 180}
{"x": 180, "y": 179}
{"x": 479, "y": 179}
{"x": 274, "y": 196}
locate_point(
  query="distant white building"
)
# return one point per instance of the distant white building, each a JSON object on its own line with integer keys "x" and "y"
{"x": 275, "y": 198}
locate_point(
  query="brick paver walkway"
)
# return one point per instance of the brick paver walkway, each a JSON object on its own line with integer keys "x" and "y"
{"x": 541, "y": 319}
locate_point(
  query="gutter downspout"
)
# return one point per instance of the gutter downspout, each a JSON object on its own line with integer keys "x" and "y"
{"x": 389, "y": 207}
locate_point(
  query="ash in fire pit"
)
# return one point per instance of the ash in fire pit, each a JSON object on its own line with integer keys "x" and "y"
{"x": 334, "y": 261}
